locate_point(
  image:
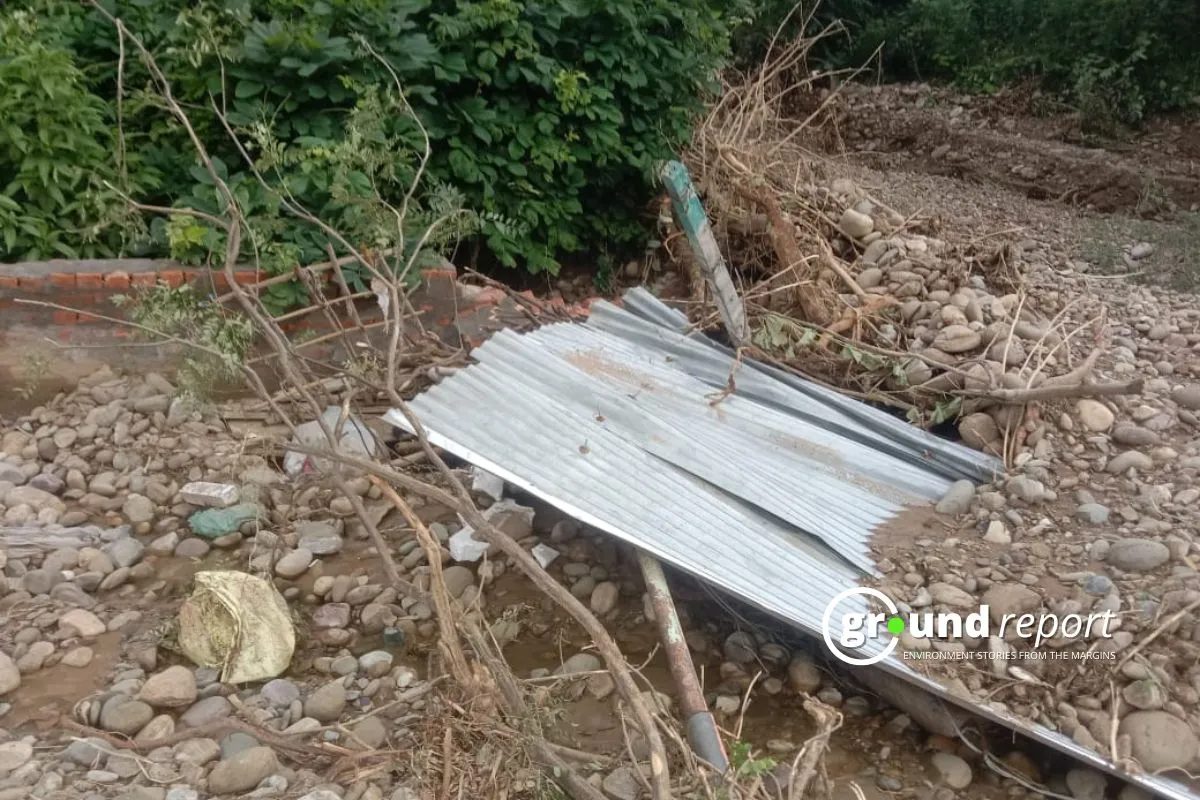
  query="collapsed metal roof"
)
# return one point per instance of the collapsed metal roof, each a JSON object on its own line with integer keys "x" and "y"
{"x": 771, "y": 493}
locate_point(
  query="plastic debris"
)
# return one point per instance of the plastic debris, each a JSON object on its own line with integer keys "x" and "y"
{"x": 356, "y": 440}
{"x": 507, "y": 515}
{"x": 544, "y": 554}
{"x": 237, "y": 623}
{"x": 209, "y": 495}
{"x": 212, "y": 523}
{"x": 484, "y": 482}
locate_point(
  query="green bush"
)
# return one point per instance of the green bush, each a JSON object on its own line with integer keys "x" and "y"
{"x": 547, "y": 117}
{"x": 57, "y": 152}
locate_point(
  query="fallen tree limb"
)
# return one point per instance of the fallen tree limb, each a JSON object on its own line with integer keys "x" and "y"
{"x": 1056, "y": 392}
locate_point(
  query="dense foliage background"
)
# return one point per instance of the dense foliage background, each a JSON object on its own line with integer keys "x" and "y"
{"x": 545, "y": 118}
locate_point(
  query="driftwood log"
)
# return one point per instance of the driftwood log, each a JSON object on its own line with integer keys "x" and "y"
{"x": 23, "y": 541}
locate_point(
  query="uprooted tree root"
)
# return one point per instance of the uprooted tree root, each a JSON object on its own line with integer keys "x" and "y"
{"x": 482, "y": 732}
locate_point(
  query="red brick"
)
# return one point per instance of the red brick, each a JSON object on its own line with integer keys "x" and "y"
{"x": 172, "y": 277}
{"x": 62, "y": 280}
{"x": 32, "y": 284}
{"x": 65, "y": 317}
{"x": 8, "y": 282}
{"x": 116, "y": 280}
{"x": 89, "y": 280}
{"x": 144, "y": 279}
{"x": 248, "y": 278}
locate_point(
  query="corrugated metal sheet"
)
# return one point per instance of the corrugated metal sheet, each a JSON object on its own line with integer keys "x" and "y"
{"x": 771, "y": 493}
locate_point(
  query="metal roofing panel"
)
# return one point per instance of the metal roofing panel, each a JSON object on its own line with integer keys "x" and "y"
{"x": 770, "y": 494}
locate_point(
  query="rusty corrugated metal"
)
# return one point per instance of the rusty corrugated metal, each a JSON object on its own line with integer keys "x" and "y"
{"x": 771, "y": 494}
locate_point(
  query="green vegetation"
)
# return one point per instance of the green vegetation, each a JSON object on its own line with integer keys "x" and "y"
{"x": 1114, "y": 60}
{"x": 546, "y": 118}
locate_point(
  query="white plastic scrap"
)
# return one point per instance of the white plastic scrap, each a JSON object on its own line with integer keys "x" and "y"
{"x": 465, "y": 547}
{"x": 544, "y": 554}
{"x": 486, "y": 483}
{"x": 356, "y": 439}
{"x": 209, "y": 495}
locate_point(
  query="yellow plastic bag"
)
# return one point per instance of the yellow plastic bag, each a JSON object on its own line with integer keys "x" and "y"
{"x": 239, "y": 624}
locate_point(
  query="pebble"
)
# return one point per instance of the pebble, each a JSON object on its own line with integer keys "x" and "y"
{"x": 954, "y": 772}
{"x": 205, "y": 711}
{"x": 1092, "y": 513}
{"x": 855, "y": 224}
{"x": 1127, "y": 460}
{"x": 120, "y": 714}
{"x": 326, "y": 704}
{"x": 14, "y": 755}
{"x": 1159, "y": 740}
{"x": 81, "y": 622}
{"x": 10, "y": 676}
{"x": 1138, "y": 555}
{"x": 1188, "y": 396}
{"x": 294, "y": 564}
{"x": 1094, "y": 415}
{"x": 243, "y": 772}
{"x": 957, "y": 499}
{"x": 174, "y": 687}
{"x": 580, "y": 662}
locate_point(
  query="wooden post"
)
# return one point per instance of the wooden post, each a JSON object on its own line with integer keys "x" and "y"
{"x": 691, "y": 216}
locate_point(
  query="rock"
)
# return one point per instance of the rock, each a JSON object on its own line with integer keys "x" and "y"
{"x": 236, "y": 743}
{"x": 82, "y": 623}
{"x": 1094, "y": 415}
{"x": 1188, "y": 396}
{"x": 36, "y": 499}
{"x": 457, "y": 578}
{"x": 1129, "y": 459}
{"x": 855, "y": 224}
{"x": 1132, "y": 435}
{"x": 123, "y": 715}
{"x": 1159, "y": 740}
{"x": 243, "y": 772}
{"x": 199, "y": 751}
{"x": 14, "y": 755}
{"x": 294, "y": 564}
{"x": 88, "y": 753}
{"x": 956, "y": 339}
{"x": 804, "y": 676}
{"x": 209, "y": 495}
{"x": 997, "y": 533}
{"x": 280, "y": 693}
{"x": 740, "y": 648}
{"x": 978, "y": 430}
{"x": 1026, "y": 489}
{"x": 205, "y": 711}
{"x": 326, "y": 704}
{"x": 1145, "y": 695}
{"x": 138, "y": 508}
{"x": 194, "y": 547}
{"x": 1086, "y": 784}
{"x": 957, "y": 499}
{"x": 1093, "y": 513}
{"x": 318, "y": 538}
{"x": 371, "y": 732}
{"x": 1138, "y": 555}
{"x": 604, "y": 598}
{"x": 174, "y": 687}
{"x": 623, "y": 783}
{"x": 125, "y": 552}
{"x": 331, "y": 615}
{"x": 376, "y": 663}
{"x": 78, "y": 657}
{"x": 580, "y": 662}
{"x": 954, "y": 772}
{"x": 951, "y": 595}
{"x": 1003, "y": 599}
{"x": 157, "y": 728}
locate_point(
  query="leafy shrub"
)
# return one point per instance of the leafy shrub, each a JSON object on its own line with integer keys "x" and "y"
{"x": 56, "y": 152}
{"x": 547, "y": 116}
